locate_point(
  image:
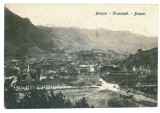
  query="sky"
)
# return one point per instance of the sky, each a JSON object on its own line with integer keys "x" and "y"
{"x": 84, "y": 16}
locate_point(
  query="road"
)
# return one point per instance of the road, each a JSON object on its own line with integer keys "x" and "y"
{"x": 105, "y": 86}
{"x": 143, "y": 98}
{"x": 138, "y": 97}
{"x": 109, "y": 86}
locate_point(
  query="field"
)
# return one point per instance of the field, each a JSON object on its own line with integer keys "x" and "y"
{"x": 100, "y": 98}
{"x": 93, "y": 95}
{"x": 78, "y": 93}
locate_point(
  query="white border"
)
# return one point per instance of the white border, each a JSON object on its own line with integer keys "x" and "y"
{"x": 95, "y": 110}
{"x": 85, "y": 1}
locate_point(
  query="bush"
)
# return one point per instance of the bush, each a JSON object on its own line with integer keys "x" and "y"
{"x": 41, "y": 99}
{"x": 121, "y": 103}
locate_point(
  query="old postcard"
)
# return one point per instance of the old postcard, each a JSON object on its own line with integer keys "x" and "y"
{"x": 80, "y": 56}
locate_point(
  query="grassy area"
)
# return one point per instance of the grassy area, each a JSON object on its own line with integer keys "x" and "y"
{"x": 147, "y": 103}
{"x": 77, "y": 94}
{"x": 100, "y": 99}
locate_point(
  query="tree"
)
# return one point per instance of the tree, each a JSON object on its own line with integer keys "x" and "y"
{"x": 40, "y": 99}
{"x": 139, "y": 50}
{"x": 35, "y": 99}
{"x": 82, "y": 103}
{"x": 81, "y": 83}
{"x": 43, "y": 99}
{"x": 59, "y": 101}
{"x": 121, "y": 103}
{"x": 10, "y": 96}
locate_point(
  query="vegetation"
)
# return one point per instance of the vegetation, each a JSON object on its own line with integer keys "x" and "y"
{"x": 82, "y": 103}
{"x": 151, "y": 104}
{"x": 143, "y": 58}
{"x": 128, "y": 83}
{"x": 39, "y": 99}
{"x": 43, "y": 99}
{"x": 121, "y": 103}
{"x": 153, "y": 79}
{"x": 10, "y": 98}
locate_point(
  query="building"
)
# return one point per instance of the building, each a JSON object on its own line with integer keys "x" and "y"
{"x": 142, "y": 70}
{"x": 27, "y": 77}
{"x": 68, "y": 75}
{"x": 116, "y": 77}
{"x": 88, "y": 78}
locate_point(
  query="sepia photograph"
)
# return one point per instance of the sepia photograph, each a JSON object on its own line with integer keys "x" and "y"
{"x": 80, "y": 55}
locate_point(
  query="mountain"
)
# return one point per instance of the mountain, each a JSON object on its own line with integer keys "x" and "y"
{"x": 23, "y": 38}
{"x": 122, "y": 41}
{"x": 70, "y": 39}
{"x": 103, "y": 39}
{"x": 143, "y": 58}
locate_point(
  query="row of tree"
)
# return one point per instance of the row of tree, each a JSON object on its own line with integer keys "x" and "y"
{"x": 39, "y": 99}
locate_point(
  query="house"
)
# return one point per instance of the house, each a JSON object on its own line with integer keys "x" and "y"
{"x": 120, "y": 76}
{"x": 88, "y": 78}
{"x": 67, "y": 75}
{"x": 142, "y": 70}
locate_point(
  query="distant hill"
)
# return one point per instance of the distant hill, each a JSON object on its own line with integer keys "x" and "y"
{"x": 123, "y": 41}
{"x": 70, "y": 39}
{"x": 85, "y": 39}
{"x": 143, "y": 58}
{"x": 23, "y": 38}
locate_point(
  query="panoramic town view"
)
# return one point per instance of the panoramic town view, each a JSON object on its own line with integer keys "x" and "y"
{"x": 71, "y": 67}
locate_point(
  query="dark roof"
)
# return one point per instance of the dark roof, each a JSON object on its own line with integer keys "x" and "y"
{"x": 121, "y": 73}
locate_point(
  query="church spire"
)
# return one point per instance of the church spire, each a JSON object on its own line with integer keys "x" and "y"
{"x": 28, "y": 78}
